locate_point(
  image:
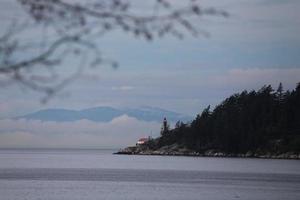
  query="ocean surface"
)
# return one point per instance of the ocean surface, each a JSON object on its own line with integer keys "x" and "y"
{"x": 39, "y": 174}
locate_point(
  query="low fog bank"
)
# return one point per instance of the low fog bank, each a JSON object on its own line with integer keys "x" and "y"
{"x": 121, "y": 131}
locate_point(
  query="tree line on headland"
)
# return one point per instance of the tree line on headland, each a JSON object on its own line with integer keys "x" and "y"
{"x": 260, "y": 121}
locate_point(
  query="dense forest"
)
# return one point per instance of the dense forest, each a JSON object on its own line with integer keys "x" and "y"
{"x": 261, "y": 121}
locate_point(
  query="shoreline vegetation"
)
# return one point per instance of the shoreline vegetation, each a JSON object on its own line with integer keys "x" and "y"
{"x": 255, "y": 124}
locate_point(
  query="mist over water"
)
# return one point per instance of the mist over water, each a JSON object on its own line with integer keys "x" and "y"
{"x": 97, "y": 174}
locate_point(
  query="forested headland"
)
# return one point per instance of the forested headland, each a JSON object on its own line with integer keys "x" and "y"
{"x": 253, "y": 123}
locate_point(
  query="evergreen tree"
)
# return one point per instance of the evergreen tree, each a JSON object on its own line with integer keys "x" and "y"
{"x": 165, "y": 128}
{"x": 247, "y": 121}
{"x": 280, "y": 93}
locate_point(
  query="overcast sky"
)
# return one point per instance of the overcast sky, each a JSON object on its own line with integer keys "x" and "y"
{"x": 258, "y": 44}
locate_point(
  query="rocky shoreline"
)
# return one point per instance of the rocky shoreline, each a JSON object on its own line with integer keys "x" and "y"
{"x": 174, "y": 150}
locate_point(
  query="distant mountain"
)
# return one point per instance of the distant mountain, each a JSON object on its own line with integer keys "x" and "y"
{"x": 105, "y": 114}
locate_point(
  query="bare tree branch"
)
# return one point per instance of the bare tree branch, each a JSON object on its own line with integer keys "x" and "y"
{"x": 76, "y": 24}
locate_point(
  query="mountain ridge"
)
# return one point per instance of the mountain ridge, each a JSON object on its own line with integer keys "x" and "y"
{"x": 104, "y": 114}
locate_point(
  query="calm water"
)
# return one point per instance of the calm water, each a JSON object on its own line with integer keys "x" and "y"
{"x": 97, "y": 174}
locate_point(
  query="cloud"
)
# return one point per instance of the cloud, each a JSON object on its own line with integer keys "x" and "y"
{"x": 122, "y": 88}
{"x": 275, "y": 2}
{"x": 256, "y": 77}
{"x": 119, "y": 132}
{"x": 3, "y": 107}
